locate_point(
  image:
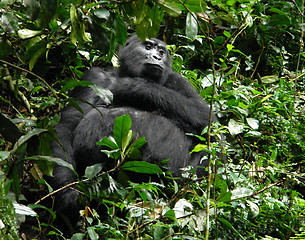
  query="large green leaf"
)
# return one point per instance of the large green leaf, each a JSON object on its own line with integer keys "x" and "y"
{"x": 141, "y": 167}
{"x": 120, "y": 29}
{"x": 78, "y": 33}
{"x": 23, "y": 139}
{"x": 102, "y": 13}
{"x": 46, "y": 164}
{"x": 191, "y": 28}
{"x": 121, "y": 131}
{"x": 99, "y": 36}
{"x": 27, "y": 33}
{"x": 134, "y": 152}
{"x": 93, "y": 170}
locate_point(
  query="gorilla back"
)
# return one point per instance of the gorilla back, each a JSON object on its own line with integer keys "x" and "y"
{"x": 162, "y": 104}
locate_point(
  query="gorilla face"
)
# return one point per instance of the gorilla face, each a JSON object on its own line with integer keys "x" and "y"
{"x": 149, "y": 60}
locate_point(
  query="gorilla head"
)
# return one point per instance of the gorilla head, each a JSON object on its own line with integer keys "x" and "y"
{"x": 149, "y": 59}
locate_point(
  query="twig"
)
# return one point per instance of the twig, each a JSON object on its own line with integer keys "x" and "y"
{"x": 35, "y": 75}
{"x": 266, "y": 188}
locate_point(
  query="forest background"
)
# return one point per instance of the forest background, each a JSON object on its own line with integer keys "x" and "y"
{"x": 245, "y": 58}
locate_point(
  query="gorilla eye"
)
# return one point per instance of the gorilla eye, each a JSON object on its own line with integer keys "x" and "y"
{"x": 148, "y": 46}
{"x": 162, "y": 52}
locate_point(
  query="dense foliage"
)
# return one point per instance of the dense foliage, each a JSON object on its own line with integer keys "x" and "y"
{"x": 246, "y": 58}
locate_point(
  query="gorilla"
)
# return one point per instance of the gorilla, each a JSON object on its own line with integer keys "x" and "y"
{"x": 163, "y": 107}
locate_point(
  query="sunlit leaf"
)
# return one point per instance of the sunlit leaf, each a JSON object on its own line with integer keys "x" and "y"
{"x": 235, "y": 127}
{"x": 269, "y": 79}
{"x": 241, "y": 192}
{"x": 200, "y": 148}
{"x": 4, "y": 155}
{"x": 253, "y": 123}
{"x": 27, "y": 33}
{"x": 254, "y": 208}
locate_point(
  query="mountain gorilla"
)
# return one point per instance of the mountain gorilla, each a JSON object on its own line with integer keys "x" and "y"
{"x": 163, "y": 107}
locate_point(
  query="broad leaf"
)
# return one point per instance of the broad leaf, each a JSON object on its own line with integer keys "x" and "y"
{"x": 93, "y": 170}
{"x": 121, "y": 131}
{"x": 46, "y": 164}
{"x": 141, "y": 167}
{"x": 191, "y": 28}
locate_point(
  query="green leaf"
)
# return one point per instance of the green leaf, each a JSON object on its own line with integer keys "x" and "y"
{"x": 26, "y": 137}
{"x": 229, "y": 47}
{"x": 171, "y": 8}
{"x": 121, "y": 131}
{"x": 120, "y": 29}
{"x": 170, "y": 214}
{"x": 78, "y": 236}
{"x": 191, "y": 28}
{"x": 224, "y": 195}
{"x": 27, "y": 33}
{"x": 141, "y": 167}
{"x": 254, "y": 208}
{"x": 4, "y": 155}
{"x": 93, "y": 170}
{"x": 200, "y": 148}
{"x": 273, "y": 155}
{"x": 108, "y": 143}
{"x": 133, "y": 151}
{"x": 99, "y": 36}
{"x": 235, "y": 127}
{"x": 75, "y": 83}
{"x": 46, "y": 164}
{"x": 78, "y": 33}
{"x": 35, "y": 57}
{"x": 227, "y": 34}
{"x": 92, "y": 233}
{"x": 114, "y": 151}
{"x": 253, "y": 123}
{"x": 102, "y": 13}
{"x": 269, "y": 79}
{"x": 229, "y": 225}
{"x": 105, "y": 95}
{"x": 280, "y": 20}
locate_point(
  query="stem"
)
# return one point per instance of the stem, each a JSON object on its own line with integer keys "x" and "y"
{"x": 35, "y": 75}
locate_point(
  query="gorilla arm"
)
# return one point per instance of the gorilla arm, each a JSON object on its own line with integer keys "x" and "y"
{"x": 176, "y": 100}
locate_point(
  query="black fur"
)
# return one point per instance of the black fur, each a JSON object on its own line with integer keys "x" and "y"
{"x": 163, "y": 107}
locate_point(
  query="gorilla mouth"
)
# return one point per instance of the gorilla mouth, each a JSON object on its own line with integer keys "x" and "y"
{"x": 154, "y": 66}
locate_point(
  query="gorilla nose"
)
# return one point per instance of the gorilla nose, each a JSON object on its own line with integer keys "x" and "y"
{"x": 155, "y": 56}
